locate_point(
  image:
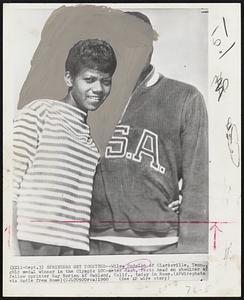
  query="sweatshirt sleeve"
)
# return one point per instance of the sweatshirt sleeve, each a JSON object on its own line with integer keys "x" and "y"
{"x": 193, "y": 234}
{"x": 27, "y": 127}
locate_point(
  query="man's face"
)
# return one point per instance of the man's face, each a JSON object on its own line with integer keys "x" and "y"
{"x": 90, "y": 88}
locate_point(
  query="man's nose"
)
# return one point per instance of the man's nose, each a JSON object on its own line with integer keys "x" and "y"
{"x": 97, "y": 87}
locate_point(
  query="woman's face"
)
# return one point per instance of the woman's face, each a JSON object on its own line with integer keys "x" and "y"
{"x": 89, "y": 88}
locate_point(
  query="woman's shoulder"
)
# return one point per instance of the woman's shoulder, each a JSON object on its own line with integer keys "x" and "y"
{"x": 38, "y": 107}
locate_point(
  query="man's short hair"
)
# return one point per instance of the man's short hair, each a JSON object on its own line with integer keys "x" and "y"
{"x": 93, "y": 54}
{"x": 140, "y": 15}
{"x": 145, "y": 19}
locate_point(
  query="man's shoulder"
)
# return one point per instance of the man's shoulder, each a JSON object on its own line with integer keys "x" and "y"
{"x": 181, "y": 87}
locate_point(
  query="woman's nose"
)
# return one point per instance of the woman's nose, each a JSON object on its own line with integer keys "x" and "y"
{"x": 97, "y": 87}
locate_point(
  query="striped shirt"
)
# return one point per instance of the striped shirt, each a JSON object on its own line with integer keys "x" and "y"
{"x": 54, "y": 164}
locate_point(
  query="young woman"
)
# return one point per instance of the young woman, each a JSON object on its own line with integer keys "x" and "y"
{"x": 55, "y": 157}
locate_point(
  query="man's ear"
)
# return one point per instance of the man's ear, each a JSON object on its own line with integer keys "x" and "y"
{"x": 68, "y": 79}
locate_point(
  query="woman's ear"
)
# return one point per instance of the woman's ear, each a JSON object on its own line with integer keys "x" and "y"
{"x": 68, "y": 79}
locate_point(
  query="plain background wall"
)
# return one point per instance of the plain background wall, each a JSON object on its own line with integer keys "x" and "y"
{"x": 181, "y": 51}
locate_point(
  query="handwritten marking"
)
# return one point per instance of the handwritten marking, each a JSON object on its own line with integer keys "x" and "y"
{"x": 221, "y": 83}
{"x": 215, "y": 228}
{"x": 219, "y": 41}
{"x": 225, "y": 27}
{"x": 139, "y": 264}
{"x": 227, "y": 50}
{"x": 7, "y": 230}
{"x": 227, "y": 252}
{"x": 233, "y": 142}
{"x": 214, "y": 30}
{"x": 189, "y": 288}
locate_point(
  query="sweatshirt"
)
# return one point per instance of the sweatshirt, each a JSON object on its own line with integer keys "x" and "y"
{"x": 162, "y": 138}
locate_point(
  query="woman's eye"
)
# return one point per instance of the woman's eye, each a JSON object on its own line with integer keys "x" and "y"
{"x": 89, "y": 80}
{"x": 107, "y": 82}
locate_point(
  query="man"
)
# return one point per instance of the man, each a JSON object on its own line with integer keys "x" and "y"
{"x": 161, "y": 139}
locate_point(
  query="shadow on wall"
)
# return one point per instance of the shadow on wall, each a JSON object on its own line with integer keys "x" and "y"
{"x": 131, "y": 39}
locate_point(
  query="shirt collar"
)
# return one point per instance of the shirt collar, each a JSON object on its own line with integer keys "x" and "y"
{"x": 76, "y": 112}
{"x": 151, "y": 78}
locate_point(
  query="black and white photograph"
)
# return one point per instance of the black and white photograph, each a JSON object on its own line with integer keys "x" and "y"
{"x": 114, "y": 143}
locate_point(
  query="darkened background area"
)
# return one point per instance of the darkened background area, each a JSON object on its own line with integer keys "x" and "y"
{"x": 130, "y": 38}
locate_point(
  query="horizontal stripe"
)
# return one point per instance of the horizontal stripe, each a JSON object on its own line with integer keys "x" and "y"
{"x": 28, "y": 125}
{"x": 58, "y": 127}
{"x": 49, "y": 229}
{"x": 22, "y": 156}
{"x": 37, "y": 104}
{"x": 62, "y": 158}
{"x": 50, "y": 236}
{"x": 54, "y": 183}
{"x": 22, "y": 149}
{"x": 49, "y": 188}
{"x": 59, "y": 204}
{"x": 44, "y": 193}
{"x": 19, "y": 163}
{"x": 77, "y": 201}
{"x": 53, "y": 241}
{"x": 23, "y": 142}
{"x": 55, "y": 210}
{"x": 19, "y": 172}
{"x": 59, "y": 235}
{"x": 88, "y": 154}
{"x": 66, "y": 150}
{"x": 57, "y": 136}
{"x": 63, "y": 166}
{"x": 66, "y": 117}
{"x": 21, "y": 133}
{"x": 69, "y": 108}
{"x": 65, "y": 155}
{"x": 65, "y": 176}
{"x": 49, "y": 176}
{"x": 75, "y": 225}
{"x": 26, "y": 130}
{"x": 33, "y": 122}
{"x": 29, "y": 115}
{"x": 47, "y": 214}
{"x": 78, "y": 131}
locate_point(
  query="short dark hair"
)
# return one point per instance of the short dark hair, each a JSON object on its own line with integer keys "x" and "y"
{"x": 145, "y": 19}
{"x": 91, "y": 53}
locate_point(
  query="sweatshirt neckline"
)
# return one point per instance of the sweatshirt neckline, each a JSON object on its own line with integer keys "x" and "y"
{"x": 151, "y": 79}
